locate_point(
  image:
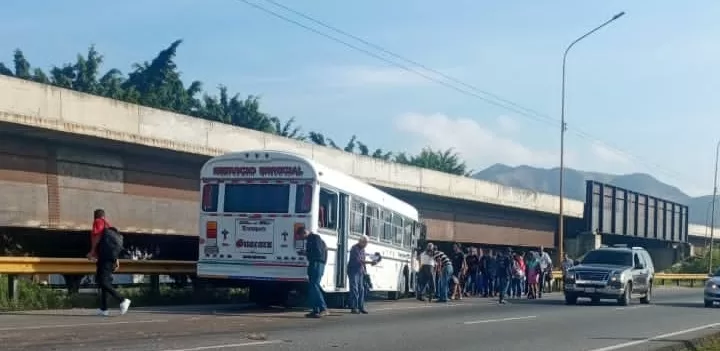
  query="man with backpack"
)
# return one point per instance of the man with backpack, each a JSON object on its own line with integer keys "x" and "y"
{"x": 316, "y": 255}
{"x": 106, "y": 246}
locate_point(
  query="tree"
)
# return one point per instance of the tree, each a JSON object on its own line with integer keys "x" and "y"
{"x": 158, "y": 83}
{"x": 446, "y": 161}
{"x": 287, "y": 129}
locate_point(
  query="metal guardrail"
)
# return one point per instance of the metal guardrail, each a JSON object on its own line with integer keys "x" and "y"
{"x": 14, "y": 266}
{"x": 42, "y": 265}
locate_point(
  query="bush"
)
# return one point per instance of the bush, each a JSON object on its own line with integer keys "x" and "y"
{"x": 31, "y": 296}
{"x": 696, "y": 264}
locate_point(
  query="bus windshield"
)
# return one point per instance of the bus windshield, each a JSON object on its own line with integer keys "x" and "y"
{"x": 257, "y": 198}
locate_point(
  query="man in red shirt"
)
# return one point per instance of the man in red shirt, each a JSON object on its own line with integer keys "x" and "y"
{"x": 98, "y": 227}
{"x": 105, "y": 266}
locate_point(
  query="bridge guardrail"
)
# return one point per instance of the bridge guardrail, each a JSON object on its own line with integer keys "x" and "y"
{"x": 14, "y": 266}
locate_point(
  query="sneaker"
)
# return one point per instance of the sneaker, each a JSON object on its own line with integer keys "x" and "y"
{"x": 312, "y": 315}
{"x": 102, "y": 313}
{"x": 324, "y": 313}
{"x": 364, "y": 311}
{"x": 124, "y": 306}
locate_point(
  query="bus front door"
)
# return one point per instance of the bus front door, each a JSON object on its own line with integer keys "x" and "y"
{"x": 342, "y": 242}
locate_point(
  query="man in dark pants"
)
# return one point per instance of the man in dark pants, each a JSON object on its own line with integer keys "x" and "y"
{"x": 106, "y": 263}
{"x": 316, "y": 254}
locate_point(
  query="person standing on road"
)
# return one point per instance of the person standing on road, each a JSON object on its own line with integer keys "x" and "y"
{"x": 518, "y": 270}
{"x": 545, "y": 269}
{"x": 504, "y": 273}
{"x": 459, "y": 270}
{"x": 426, "y": 276}
{"x": 489, "y": 271}
{"x": 356, "y": 271}
{"x": 472, "y": 261}
{"x": 316, "y": 254}
{"x": 105, "y": 251}
{"x": 445, "y": 270}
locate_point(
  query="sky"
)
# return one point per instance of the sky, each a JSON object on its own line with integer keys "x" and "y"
{"x": 641, "y": 92}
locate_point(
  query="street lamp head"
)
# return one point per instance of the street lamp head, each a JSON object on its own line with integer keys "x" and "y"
{"x": 618, "y": 15}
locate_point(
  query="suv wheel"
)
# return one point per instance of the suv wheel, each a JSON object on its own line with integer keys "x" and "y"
{"x": 708, "y": 303}
{"x": 626, "y": 297}
{"x": 571, "y": 299}
{"x": 648, "y": 295}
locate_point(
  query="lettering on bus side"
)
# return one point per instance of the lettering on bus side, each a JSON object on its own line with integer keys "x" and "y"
{"x": 264, "y": 171}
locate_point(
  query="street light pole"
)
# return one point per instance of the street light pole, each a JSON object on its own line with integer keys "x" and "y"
{"x": 712, "y": 214}
{"x": 563, "y": 128}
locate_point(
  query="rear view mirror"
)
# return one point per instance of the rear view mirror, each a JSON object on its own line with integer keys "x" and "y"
{"x": 576, "y": 263}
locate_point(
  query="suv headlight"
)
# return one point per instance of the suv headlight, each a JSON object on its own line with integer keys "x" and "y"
{"x": 711, "y": 285}
{"x": 615, "y": 277}
{"x": 569, "y": 276}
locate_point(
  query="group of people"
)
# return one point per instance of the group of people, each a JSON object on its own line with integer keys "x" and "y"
{"x": 476, "y": 272}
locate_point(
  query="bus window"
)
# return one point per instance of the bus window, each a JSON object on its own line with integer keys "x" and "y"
{"x": 303, "y": 198}
{"x": 372, "y": 222}
{"x": 407, "y": 233}
{"x": 209, "y": 198}
{"x": 257, "y": 198}
{"x": 387, "y": 234}
{"x": 328, "y": 209}
{"x": 357, "y": 211}
{"x": 397, "y": 228}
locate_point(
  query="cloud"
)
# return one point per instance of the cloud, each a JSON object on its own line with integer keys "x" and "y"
{"x": 508, "y": 124}
{"x": 477, "y": 144}
{"x": 361, "y": 76}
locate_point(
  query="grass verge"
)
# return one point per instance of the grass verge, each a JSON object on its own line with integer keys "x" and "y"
{"x": 31, "y": 296}
{"x": 704, "y": 343}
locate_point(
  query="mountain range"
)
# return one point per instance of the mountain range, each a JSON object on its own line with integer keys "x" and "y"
{"x": 546, "y": 181}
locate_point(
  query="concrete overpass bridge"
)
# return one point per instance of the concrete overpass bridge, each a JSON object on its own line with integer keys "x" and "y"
{"x": 64, "y": 153}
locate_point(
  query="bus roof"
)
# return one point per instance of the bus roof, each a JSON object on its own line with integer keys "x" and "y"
{"x": 332, "y": 178}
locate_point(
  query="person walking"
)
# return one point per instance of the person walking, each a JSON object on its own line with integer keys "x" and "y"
{"x": 445, "y": 270}
{"x": 459, "y": 267}
{"x": 316, "y": 255}
{"x": 106, "y": 246}
{"x": 426, "y": 276}
{"x": 356, "y": 271}
{"x": 545, "y": 270}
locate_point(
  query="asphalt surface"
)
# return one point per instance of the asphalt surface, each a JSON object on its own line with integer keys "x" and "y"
{"x": 676, "y": 314}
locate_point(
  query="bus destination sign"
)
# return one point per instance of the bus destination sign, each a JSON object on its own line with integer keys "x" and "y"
{"x": 263, "y": 171}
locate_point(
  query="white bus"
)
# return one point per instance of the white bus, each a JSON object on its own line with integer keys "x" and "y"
{"x": 252, "y": 203}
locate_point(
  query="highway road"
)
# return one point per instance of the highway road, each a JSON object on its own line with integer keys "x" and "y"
{"x": 470, "y": 324}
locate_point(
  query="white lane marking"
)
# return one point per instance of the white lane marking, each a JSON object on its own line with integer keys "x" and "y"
{"x": 656, "y": 338}
{"x": 500, "y": 320}
{"x": 227, "y": 346}
{"x": 631, "y": 308}
{"x": 56, "y": 326}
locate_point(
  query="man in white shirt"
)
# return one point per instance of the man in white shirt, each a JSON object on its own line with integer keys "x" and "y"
{"x": 545, "y": 269}
{"x": 426, "y": 276}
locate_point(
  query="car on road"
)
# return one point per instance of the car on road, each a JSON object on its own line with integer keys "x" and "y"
{"x": 712, "y": 289}
{"x": 618, "y": 273}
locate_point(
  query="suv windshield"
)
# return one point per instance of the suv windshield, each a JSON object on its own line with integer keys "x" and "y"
{"x": 618, "y": 258}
